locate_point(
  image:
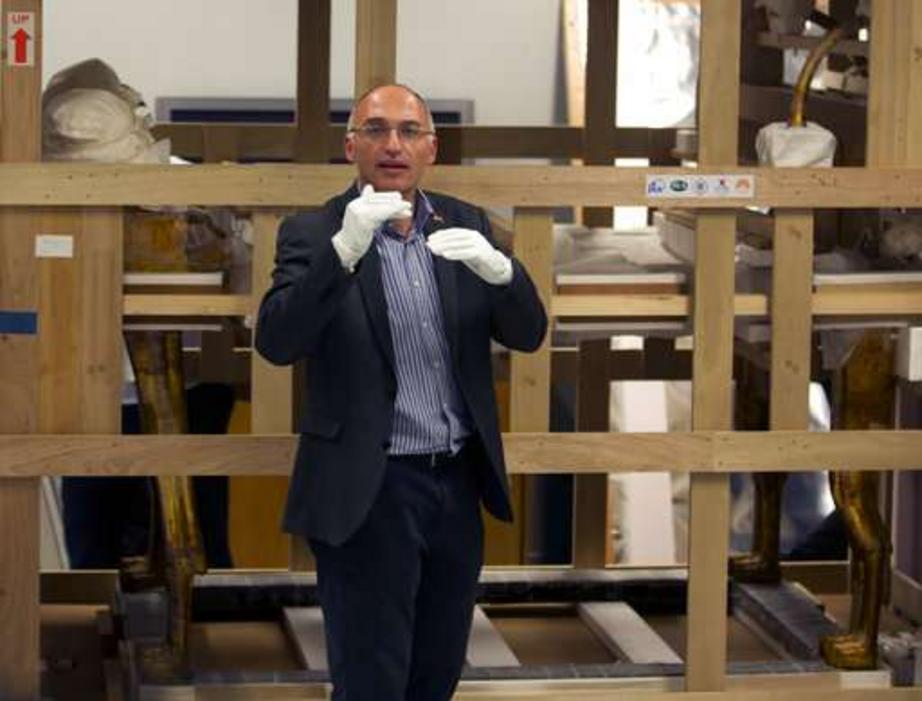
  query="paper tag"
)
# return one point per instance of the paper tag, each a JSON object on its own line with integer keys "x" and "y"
{"x": 52, "y": 246}
{"x": 686, "y": 187}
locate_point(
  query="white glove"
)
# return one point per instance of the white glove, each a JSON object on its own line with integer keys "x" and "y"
{"x": 471, "y": 248}
{"x": 363, "y": 215}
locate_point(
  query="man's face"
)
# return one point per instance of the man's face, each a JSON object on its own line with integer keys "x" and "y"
{"x": 383, "y": 146}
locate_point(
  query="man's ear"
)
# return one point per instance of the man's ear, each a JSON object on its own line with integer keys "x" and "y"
{"x": 434, "y": 151}
{"x": 349, "y": 148}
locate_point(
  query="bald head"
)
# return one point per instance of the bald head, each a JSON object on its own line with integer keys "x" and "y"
{"x": 388, "y": 88}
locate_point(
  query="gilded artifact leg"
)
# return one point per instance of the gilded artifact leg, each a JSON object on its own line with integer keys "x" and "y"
{"x": 866, "y": 402}
{"x": 856, "y": 496}
{"x": 157, "y": 361}
{"x": 762, "y": 564}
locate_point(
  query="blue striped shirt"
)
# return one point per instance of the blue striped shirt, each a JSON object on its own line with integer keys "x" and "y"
{"x": 429, "y": 411}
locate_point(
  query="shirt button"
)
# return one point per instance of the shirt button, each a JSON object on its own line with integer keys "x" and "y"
{"x": 425, "y": 324}
{"x": 416, "y": 283}
{"x": 436, "y": 364}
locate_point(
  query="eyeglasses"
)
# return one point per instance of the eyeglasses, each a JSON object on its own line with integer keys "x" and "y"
{"x": 407, "y": 132}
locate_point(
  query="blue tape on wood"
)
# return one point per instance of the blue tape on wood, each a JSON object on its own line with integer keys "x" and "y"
{"x": 25, "y": 323}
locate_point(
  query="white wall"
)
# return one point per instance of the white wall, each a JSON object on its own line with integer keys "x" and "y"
{"x": 500, "y": 53}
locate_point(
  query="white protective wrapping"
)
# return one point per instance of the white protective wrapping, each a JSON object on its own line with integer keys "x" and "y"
{"x": 780, "y": 145}
{"x": 89, "y": 115}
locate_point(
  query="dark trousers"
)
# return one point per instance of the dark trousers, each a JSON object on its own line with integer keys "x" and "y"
{"x": 398, "y": 596}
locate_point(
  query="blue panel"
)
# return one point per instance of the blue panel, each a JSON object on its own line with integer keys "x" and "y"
{"x": 19, "y": 323}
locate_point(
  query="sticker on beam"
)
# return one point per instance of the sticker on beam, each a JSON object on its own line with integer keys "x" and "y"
{"x": 20, "y": 39}
{"x": 691, "y": 187}
{"x": 23, "y": 323}
{"x": 54, "y": 246}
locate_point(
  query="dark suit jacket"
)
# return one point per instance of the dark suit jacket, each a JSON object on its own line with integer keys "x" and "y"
{"x": 338, "y": 321}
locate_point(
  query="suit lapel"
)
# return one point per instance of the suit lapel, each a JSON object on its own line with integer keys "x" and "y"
{"x": 446, "y": 276}
{"x": 369, "y": 277}
{"x": 368, "y": 274}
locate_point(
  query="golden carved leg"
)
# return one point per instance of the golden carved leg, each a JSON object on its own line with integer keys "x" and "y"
{"x": 157, "y": 361}
{"x": 866, "y": 399}
{"x": 855, "y": 494}
{"x": 762, "y": 563}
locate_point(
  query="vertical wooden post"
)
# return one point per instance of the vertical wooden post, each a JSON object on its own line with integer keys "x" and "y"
{"x": 893, "y": 140}
{"x": 270, "y": 395}
{"x": 601, "y": 85}
{"x": 313, "y": 112}
{"x": 20, "y": 141}
{"x": 791, "y": 319}
{"x": 530, "y": 374}
{"x": 375, "y": 43}
{"x": 591, "y": 536}
{"x": 718, "y": 110}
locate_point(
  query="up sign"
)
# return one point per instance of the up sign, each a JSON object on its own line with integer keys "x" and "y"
{"x": 20, "y": 38}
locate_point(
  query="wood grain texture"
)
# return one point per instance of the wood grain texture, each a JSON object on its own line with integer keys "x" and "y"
{"x": 313, "y": 111}
{"x": 375, "y": 43}
{"x": 529, "y": 373}
{"x": 601, "y": 94}
{"x": 21, "y": 368}
{"x": 257, "y": 504}
{"x": 716, "y": 452}
{"x": 520, "y": 186}
{"x": 278, "y": 141}
{"x": 792, "y": 320}
{"x": 712, "y": 361}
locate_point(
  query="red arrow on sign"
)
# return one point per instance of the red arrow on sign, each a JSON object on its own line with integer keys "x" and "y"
{"x": 21, "y": 37}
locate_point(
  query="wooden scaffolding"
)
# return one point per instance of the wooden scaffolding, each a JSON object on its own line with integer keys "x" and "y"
{"x": 60, "y": 348}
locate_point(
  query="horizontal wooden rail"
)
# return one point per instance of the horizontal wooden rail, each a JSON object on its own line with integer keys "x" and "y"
{"x": 276, "y": 141}
{"x": 518, "y": 186}
{"x": 829, "y": 300}
{"x": 187, "y": 305}
{"x": 700, "y": 451}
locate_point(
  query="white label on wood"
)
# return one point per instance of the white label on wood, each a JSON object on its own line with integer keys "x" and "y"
{"x": 20, "y": 39}
{"x": 53, "y": 246}
{"x": 730, "y": 187}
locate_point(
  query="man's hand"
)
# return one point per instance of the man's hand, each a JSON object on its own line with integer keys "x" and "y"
{"x": 471, "y": 248}
{"x": 363, "y": 215}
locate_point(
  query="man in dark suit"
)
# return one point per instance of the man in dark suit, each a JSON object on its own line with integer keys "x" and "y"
{"x": 393, "y": 295}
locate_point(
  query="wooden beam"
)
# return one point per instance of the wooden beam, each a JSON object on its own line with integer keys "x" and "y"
{"x": 791, "y": 320}
{"x": 895, "y": 97}
{"x": 625, "y": 633}
{"x": 306, "y": 634}
{"x": 530, "y": 374}
{"x": 712, "y": 362}
{"x": 56, "y": 185}
{"x": 601, "y": 94}
{"x": 592, "y": 545}
{"x": 713, "y": 452}
{"x": 375, "y": 44}
{"x": 272, "y": 410}
{"x": 277, "y": 141}
{"x": 486, "y": 646}
{"x": 21, "y": 369}
{"x": 313, "y": 110}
